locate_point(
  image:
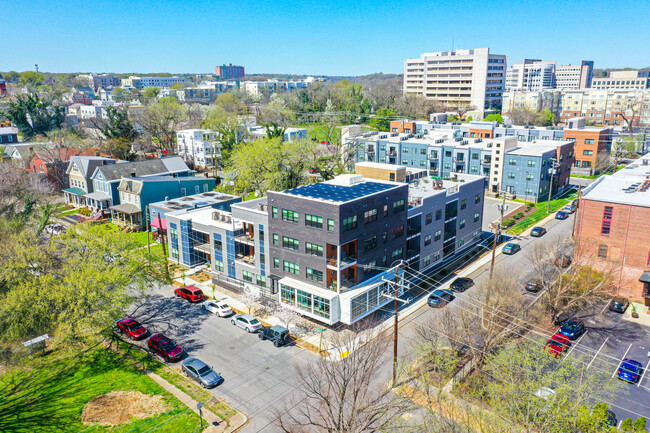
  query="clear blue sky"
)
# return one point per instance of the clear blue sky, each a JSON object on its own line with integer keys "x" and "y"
{"x": 312, "y": 37}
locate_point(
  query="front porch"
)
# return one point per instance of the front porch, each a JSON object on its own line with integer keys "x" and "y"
{"x": 75, "y": 197}
{"x": 127, "y": 215}
{"x": 98, "y": 200}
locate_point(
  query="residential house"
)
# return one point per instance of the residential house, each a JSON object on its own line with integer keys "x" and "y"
{"x": 198, "y": 147}
{"x": 80, "y": 186}
{"x": 8, "y": 135}
{"x": 53, "y": 163}
{"x": 20, "y": 154}
{"x": 136, "y": 193}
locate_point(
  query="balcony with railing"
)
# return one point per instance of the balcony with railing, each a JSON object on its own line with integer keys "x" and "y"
{"x": 245, "y": 254}
{"x": 347, "y": 258}
{"x": 245, "y": 234}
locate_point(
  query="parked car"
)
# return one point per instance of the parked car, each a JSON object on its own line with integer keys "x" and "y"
{"x": 570, "y": 208}
{"x": 247, "y": 322}
{"x": 511, "y": 248}
{"x": 132, "y": 328}
{"x": 440, "y": 297}
{"x": 563, "y": 261}
{"x": 220, "y": 308}
{"x": 611, "y": 419}
{"x": 630, "y": 370}
{"x": 191, "y": 293}
{"x": 537, "y": 232}
{"x": 54, "y": 229}
{"x": 561, "y": 215}
{"x": 201, "y": 372}
{"x": 461, "y": 284}
{"x": 558, "y": 344}
{"x": 165, "y": 347}
{"x": 619, "y": 305}
{"x": 279, "y": 335}
{"x": 573, "y": 329}
{"x": 533, "y": 286}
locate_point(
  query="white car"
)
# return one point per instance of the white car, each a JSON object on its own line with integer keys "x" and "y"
{"x": 569, "y": 208}
{"x": 220, "y": 308}
{"x": 54, "y": 229}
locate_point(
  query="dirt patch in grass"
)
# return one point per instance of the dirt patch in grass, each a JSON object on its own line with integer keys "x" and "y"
{"x": 121, "y": 407}
{"x": 201, "y": 277}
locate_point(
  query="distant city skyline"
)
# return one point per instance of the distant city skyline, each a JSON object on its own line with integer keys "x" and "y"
{"x": 311, "y": 38}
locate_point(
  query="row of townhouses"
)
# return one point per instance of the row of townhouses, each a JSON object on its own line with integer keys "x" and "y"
{"x": 327, "y": 249}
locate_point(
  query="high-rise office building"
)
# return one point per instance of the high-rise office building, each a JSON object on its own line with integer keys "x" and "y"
{"x": 530, "y": 75}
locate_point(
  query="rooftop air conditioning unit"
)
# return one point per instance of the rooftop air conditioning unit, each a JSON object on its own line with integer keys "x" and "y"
{"x": 215, "y": 216}
{"x": 228, "y": 219}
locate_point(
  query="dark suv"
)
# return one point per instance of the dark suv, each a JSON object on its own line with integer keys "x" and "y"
{"x": 461, "y": 284}
{"x": 277, "y": 334}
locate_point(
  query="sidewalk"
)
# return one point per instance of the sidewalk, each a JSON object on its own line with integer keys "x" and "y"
{"x": 215, "y": 425}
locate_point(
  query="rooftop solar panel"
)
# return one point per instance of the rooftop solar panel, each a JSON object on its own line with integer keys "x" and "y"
{"x": 339, "y": 193}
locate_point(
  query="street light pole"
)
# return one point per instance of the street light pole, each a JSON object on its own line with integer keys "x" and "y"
{"x": 550, "y": 190}
{"x": 497, "y": 234}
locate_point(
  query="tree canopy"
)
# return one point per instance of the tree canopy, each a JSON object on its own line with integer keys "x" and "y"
{"x": 34, "y": 115}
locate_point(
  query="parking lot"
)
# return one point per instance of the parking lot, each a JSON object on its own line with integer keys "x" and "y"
{"x": 609, "y": 339}
{"x": 258, "y": 377}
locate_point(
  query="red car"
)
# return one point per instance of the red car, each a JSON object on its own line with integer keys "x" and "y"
{"x": 132, "y": 328}
{"x": 191, "y": 293}
{"x": 558, "y": 344}
{"x": 165, "y": 347}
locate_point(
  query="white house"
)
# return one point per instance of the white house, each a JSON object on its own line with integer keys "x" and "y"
{"x": 199, "y": 147}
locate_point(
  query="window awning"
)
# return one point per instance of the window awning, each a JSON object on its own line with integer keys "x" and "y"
{"x": 157, "y": 222}
{"x": 75, "y": 191}
{"x": 645, "y": 277}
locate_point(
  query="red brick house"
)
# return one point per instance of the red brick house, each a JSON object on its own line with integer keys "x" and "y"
{"x": 613, "y": 226}
{"x": 53, "y": 163}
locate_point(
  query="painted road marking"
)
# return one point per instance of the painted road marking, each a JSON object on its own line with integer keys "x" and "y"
{"x": 573, "y": 346}
{"x": 621, "y": 362}
{"x": 599, "y": 349}
{"x": 644, "y": 370}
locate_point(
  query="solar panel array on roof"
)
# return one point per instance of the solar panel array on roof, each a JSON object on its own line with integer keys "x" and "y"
{"x": 339, "y": 193}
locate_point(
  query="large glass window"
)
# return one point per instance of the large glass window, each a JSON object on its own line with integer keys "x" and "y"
{"x": 398, "y": 206}
{"x": 349, "y": 223}
{"x": 260, "y": 280}
{"x": 290, "y": 267}
{"x": 330, "y": 225}
{"x": 287, "y": 295}
{"x": 314, "y": 221}
{"x": 321, "y": 307}
{"x": 247, "y": 275}
{"x": 276, "y": 262}
{"x": 303, "y": 300}
{"x": 314, "y": 275}
{"x": 274, "y": 212}
{"x": 313, "y": 249}
{"x": 359, "y": 305}
{"x": 276, "y": 239}
{"x": 291, "y": 243}
{"x": 218, "y": 246}
{"x": 218, "y": 266}
{"x": 290, "y": 216}
{"x": 370, "y": 216}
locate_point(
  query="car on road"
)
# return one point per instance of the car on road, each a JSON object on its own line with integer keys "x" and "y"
{"x": 533, "y": 286}
{"x": 247, "y": 322}
{"x": 570, "y": 208}
{"x": 563, "y": 261}
{"x": 191, "y": 293}
{"x": 630, "y": 370}
{"x": 132, "y": 328}
{"x": 440, "y": 297}
{"x": 561, "y": 215}
{"x": 165, "y": 347}
{"x": 537, "y": 232}
{"x": 220, "y": 308}
{"x": 511, "y": 248}
{"x": 558, "y": 344}
{"x": 54, "y": 229}
{"x": 201, "y": 372}
{"x": 619, "y": 305}
{"x": 573, "y": 329}
{"x": 461, "y": 284}
{"x": 279, "y": 335}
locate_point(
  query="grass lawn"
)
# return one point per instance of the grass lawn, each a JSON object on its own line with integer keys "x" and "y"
{"x": 140, "y": 238}
{"x": 70, "y": 212}
{"x": 50, "y": 398}
{"x": 541, "y": 213}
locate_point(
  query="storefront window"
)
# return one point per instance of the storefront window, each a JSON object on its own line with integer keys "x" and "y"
{"x": 288, "y": 295}
{"x": 304, "y": 300}
{"x": 321, "y": 307}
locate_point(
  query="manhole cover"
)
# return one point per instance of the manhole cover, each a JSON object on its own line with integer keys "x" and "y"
{"x": 231, "y": 348}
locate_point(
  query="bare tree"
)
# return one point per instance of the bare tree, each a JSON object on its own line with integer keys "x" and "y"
{"x": 632, "y": 110}
{"x": 286, "y": 315}
{"x": 346, "y": 395}
{"x": 250, "y": 296}
{"x": 161, "y": 120}
{"x": 522, "y": 116}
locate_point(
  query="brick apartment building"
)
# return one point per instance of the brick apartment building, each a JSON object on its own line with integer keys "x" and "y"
{"x": 229, "y": 72}
{"x": 589, "y": 142}
{"x": 612, "y": 226}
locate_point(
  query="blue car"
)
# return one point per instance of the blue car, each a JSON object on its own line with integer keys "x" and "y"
{"x": 573, "y": 329}
{"x": 561, "y": 215}
{"x": 439, "y": 298}
{"x": 630, "y": 370}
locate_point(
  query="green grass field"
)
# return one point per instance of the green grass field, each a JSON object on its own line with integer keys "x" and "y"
{"x": 541, "y": 213}
{"x": 51, "y": 397}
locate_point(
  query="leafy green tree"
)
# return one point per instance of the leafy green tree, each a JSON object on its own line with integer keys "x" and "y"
{"x": 119, "y": 148}
{"x": 381, "y": 120}
{"x": 494, "y": 118}
{"x": 270, "y": 164}
{"x": 118, "y": 125}
{"x": 627, "y": 425}
{"x": 161, "y": 120}
{"x": 230, "y": 104}
{"x": 11, "y": 76}
{"x": 639, "y": 425}
{"x": 150, "y": 94}
{"x": 34, "y": 115}
{"x": 120, "y": 95}
{"x": 229, "y": 127}
{"x": 31, "y": 79}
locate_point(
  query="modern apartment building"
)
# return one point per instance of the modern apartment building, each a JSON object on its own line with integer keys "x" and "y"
{"x": 510, "y": 162}
{"x": 623, "y": 80}
{"x": 325, "y": 249}
{"x": 530, "y": 75}
{"x": 142, "y": 82}
{"x": 590, "y": 144}
{"x": 468, "y": 77}
{"x": 612, "y": 228}
{"x": 229, "y": 72}
{"x": 573, "y": 77}
{"x": 198, "y": 147}
{"x": 95, "y": 81}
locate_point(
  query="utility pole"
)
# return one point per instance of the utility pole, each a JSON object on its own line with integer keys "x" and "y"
{"x": 497, "y": 234}
{"x": 550, "y": 190}
{"x": 148, "y": 233}
{"x": 575, "y": 216}
{"x": 395, "y": 330}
